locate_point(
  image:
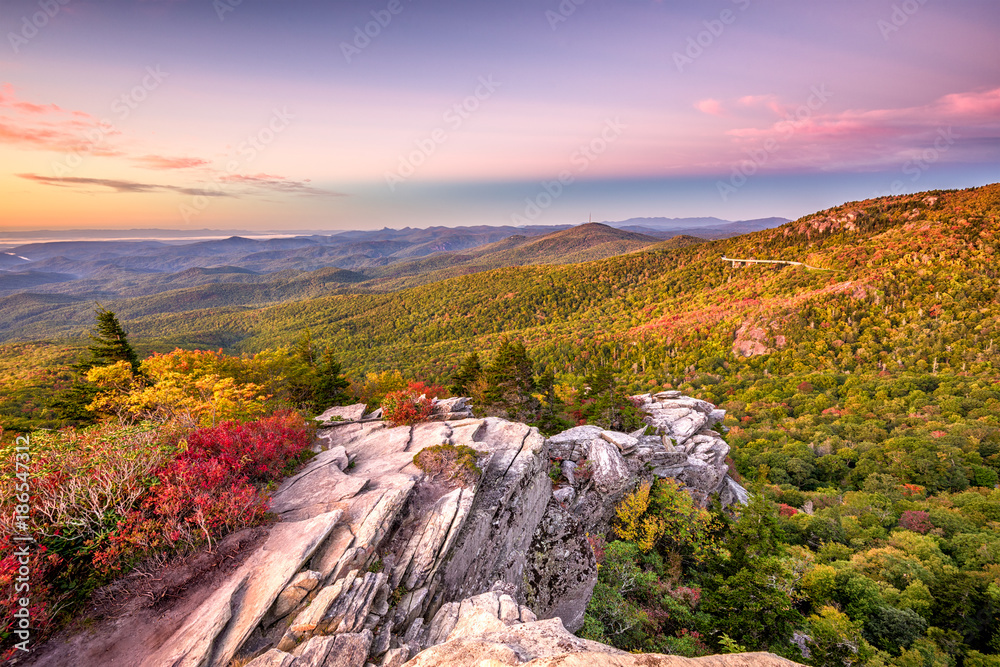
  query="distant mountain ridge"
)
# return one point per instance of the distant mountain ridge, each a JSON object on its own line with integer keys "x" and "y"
{"x": 73, "y": 266}
{"x": 147, "y": 280}
{"x": 146, "y": 277}
{"x": 706, "y": 228}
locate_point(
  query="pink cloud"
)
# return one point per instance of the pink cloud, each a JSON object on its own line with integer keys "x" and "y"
{"x": 164, "y": 162}
{"x": 806, "y": 134}
{"x": 252, "y": 178}
{"x": 710, "y": 106}
{"x": 9, "y": 100}
{"x": 970, "y": 109}
{"x": 49, "y": 127}
{"x": 279, "y": 184}
{"x": 982, "y": 105}
{"x": 120, "y": 186}
{"x": 766, "y": 101}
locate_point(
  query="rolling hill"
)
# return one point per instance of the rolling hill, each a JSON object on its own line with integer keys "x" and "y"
{"x": 582, "y": 243}
{"x": 916, "y": 270}
{"x": 907, "y": 274}
{"x": 136, "y": 293}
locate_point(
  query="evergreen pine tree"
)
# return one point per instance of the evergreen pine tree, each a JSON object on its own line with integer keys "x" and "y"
{"x": 110, "y": 344}
{"x": 608, "y": 405}
{"x": 331, "y": 385}
{"x": 465, "y": 375}
{"x": 315, "y": 378}
{"x": 510, "y": 381}
{"x": 551, "y": 419}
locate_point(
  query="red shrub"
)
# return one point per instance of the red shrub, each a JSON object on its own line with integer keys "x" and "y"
{"x": 786, "y": 510}
{"x": 104, "y": 498}
{"x": 42, "y": 597}
{"x": 429, "y": 390}
{"x": 917, "y": 521}
{"x": 259, "y": 450}
{"x": 208, "y": 491}
{"x": 406, "y": 407}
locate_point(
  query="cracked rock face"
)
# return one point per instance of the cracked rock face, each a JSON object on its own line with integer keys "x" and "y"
{"x": 492, "y": 629}
{"x": 374, "y": 561}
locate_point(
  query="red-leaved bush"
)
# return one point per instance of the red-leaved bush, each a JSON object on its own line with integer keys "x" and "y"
{"x": 104, "y": 498}
{"x": 258, "y": 450}
{"x": 208, "y": 490}
{"x": 916, "y": 520}
{"x": 786, "y": 510}
{"x": 406, "y": 407}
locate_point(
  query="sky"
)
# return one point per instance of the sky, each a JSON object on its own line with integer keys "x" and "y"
{"x": 254, "y": 115}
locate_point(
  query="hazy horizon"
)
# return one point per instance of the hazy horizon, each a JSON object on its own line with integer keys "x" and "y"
{"x": 15, "y": 238}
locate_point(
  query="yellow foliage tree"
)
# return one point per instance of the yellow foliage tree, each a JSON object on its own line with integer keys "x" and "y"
{"x": 190, "y": 388}
{"x": 115, "y": 383}
{"x": 377, "y": 385}
{"x": 634, "y": 524}
{"x": 665, "y": 516}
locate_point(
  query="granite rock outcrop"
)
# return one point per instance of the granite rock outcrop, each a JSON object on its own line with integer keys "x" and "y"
{"x": 375, "y": 561}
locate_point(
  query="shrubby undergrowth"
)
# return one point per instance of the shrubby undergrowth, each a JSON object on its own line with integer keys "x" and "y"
{"x": 105, "y": 497}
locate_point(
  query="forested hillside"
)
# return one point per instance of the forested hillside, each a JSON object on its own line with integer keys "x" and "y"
{"x": 239, "y": 272}
{"x": 911, "y": 287}
{"x": 862, "y": 398}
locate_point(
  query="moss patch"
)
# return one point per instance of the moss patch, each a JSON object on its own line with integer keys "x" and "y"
{"x": 458, "y": 464}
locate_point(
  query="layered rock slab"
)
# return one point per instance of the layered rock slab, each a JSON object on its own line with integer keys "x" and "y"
{"x": 400, "y": 554}
{"x": 213, "y": 634}
{"x": 490, "y": 629}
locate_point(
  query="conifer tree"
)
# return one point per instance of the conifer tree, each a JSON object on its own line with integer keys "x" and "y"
{"x": 465, "y": 375}
{"x": 510, "y": 381}
{"x": 110, "y": 343}
{"x": 315, "y": 378}
{"x": 331, "y": 385}
{"x": 551, "y": 419}
{"x": 608, "y": 406}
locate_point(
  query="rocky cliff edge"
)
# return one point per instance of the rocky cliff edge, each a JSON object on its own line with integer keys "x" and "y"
{"x": 376, "y": 562}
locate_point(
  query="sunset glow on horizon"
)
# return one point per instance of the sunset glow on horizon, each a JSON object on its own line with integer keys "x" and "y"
{"x": 191, "y": 114}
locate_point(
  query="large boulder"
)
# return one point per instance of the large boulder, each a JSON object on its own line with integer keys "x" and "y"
{"x": 224, "y": 622}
